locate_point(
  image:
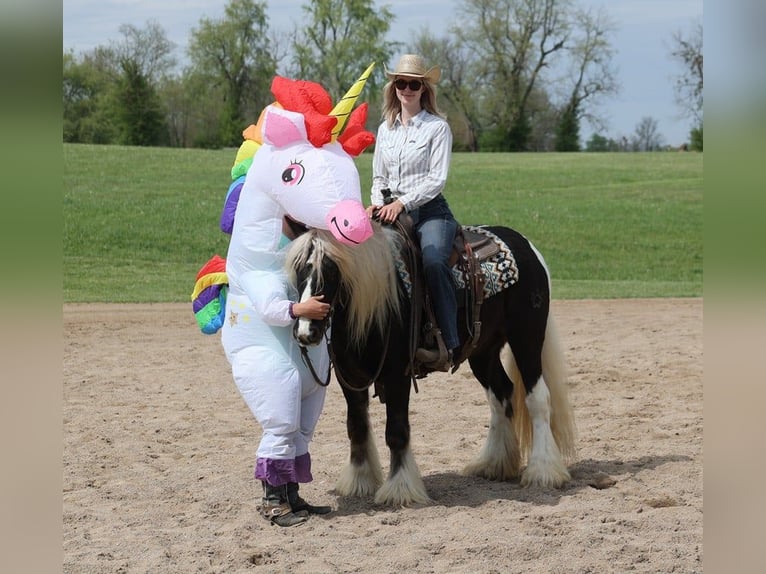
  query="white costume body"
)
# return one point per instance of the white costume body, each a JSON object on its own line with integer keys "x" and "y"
{"x": 257, "y": 338}
{"x": 320, "y": 187}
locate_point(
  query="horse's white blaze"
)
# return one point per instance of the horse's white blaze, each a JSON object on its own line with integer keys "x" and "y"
{"x": 546, "y": 466}
{"x": 303, "y": 323}
{"x": 364, "y": 479}
{"x": 499, "y": 459}
{"x": 405, "y": 487}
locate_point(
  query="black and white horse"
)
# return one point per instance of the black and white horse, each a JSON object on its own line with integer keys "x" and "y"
{"x": 518, "y": 361}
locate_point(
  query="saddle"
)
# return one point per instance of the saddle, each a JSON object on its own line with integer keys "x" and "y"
{"x": 469, "y": 250}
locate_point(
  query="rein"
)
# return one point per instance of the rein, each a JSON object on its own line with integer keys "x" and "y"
{"x": 372, "y": 380}
{"x": 307, "y": 361}
{"x": 310, "y": 365}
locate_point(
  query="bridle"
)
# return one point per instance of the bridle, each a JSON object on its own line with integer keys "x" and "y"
{"x": 334, "y": 363}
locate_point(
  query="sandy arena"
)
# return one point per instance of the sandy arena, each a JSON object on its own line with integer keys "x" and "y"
{"x": 159, "y": 451}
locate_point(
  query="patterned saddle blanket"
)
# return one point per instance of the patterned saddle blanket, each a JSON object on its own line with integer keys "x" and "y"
{"x": 500, "y": 270}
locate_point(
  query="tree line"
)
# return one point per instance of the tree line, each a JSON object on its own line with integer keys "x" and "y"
{"x": 517, "y": 75}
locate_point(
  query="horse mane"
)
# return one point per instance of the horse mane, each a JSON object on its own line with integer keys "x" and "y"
{"x": 367, "y": 273}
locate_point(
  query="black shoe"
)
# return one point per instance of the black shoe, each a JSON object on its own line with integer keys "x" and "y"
{"x": 276, "y": 508}
{"x": 299, "y": 505}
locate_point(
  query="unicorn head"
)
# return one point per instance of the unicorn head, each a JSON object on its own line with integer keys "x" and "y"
{"x": 306, "y": 168}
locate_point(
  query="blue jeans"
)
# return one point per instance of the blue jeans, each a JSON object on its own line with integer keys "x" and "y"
{"x": 436, "y": 235}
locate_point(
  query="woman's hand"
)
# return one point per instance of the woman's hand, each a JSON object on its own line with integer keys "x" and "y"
{"x": 371, "y": 210}
{"x": 389, "y": 213}
{"x": 312, "y": 308}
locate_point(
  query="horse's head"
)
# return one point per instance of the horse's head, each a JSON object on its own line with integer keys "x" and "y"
{"x": 313, "y": 273}
{"x": 359, "y": 283}
{"x": 306, "y": 168}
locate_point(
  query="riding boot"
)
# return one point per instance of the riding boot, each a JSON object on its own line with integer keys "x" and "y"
{"x": 299, "y": 505}
{"x": 276, "y": 509}
{"x": 432, "y": 359}
{"x": 427, "y": 356}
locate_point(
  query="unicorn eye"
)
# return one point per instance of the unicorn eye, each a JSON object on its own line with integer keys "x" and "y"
{"x": 294, "y": 173}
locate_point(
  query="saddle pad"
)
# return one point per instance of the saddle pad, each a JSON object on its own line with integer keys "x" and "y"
{"x": 500, "y": 270}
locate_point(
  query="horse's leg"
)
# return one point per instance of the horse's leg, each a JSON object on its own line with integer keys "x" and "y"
{"x": 500, "y": 458}
{"x": 545, "y": 466}
{"x": 404, "y": 485}
{"x": 363, "y": 474}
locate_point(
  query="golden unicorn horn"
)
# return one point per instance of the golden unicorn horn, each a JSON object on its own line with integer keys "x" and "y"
{"x": 343, "y": 108}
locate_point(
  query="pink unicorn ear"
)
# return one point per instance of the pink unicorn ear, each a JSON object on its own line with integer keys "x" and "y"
{"x": 283, "y": 127}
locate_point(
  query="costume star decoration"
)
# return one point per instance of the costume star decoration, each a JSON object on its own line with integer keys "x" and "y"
{"x": 233, "y": 318}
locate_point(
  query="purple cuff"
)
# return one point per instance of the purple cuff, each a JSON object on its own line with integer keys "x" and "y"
{"x": 277, "y": 472}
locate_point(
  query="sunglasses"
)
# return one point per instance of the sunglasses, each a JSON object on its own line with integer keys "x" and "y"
{"x": 414, "y": 85}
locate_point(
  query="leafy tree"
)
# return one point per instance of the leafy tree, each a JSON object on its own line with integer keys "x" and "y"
{"x": 514, "y": 42}
{"x": 591, "y": 75}
{"x": 232, "y": 55}
{"x": 338, "y": 40}
{"x": 568, "y": 130}
{"x": 143, "y": 58}
{"x": 696, "y": 138}
{"x": 597, "y": 142}
{"x": 191, "y": 110}
{"x": 139, "y": 112}
{"x": 88, "y": 97}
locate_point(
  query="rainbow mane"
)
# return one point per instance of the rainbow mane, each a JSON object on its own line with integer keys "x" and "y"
{"x": 209, "y": 295}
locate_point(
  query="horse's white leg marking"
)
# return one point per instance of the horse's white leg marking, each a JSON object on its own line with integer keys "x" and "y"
{"x": 303, "y": 323}
{"x": 405, "y": 487}
{"x": 364, "y": 479}
{"x": 546, "y": 466}
{"x": 499, "y": 459}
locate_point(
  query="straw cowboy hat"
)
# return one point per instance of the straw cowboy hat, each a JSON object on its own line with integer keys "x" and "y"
{"x": 413, "y": 66}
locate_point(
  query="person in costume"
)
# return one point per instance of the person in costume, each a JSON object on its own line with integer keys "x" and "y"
{"x": 410, "y": 165}
{"x": 302, "y": 168}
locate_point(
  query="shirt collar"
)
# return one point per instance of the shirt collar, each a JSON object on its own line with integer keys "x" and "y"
{"x": 416, "y": 120}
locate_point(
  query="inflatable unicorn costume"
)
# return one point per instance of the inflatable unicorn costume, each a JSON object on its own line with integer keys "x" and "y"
{"x": 302, "y": 167}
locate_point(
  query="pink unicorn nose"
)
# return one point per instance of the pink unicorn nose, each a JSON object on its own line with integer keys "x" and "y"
{"x": 348, "y": 222}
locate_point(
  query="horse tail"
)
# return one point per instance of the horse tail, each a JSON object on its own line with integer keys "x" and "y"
{"x": 555, "y": 372}
{"x": 522, "y": 422}
{"x": 555, "y": 376}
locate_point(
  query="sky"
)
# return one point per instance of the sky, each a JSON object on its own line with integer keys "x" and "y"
{"x": 642, "y": 41}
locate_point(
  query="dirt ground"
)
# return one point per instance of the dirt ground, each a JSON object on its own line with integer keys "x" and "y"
{"x": 159, "y": 451}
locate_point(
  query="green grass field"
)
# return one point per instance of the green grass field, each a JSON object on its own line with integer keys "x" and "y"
{"x": 139, "y": 222}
